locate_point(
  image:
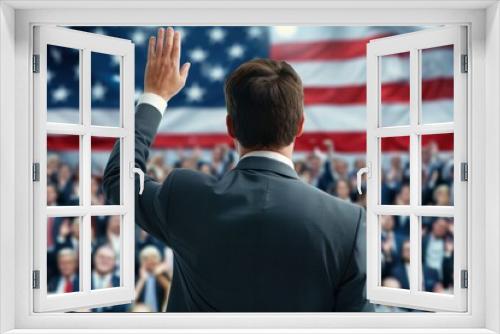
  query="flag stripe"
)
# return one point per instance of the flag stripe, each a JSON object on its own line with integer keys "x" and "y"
{"x": 353, "y": 72}
{"x": 319, "y": 118}
{"x": 434, "y": 89}
{"x": 320, "y": 50}
{"x": 345, "y": 142}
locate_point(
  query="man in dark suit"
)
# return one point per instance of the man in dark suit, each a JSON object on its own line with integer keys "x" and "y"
{"x": 258, "y": 239}
{"x": 67, "y": 279}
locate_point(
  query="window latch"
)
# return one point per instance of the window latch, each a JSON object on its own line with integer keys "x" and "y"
{"x": 134, "y": 170}
{"x": 359, "y": 175}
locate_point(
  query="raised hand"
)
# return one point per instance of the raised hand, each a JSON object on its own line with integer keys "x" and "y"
{"x": 163, "y": 75}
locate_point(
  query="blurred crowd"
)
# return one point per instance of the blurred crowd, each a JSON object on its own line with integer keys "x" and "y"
{"x": 331, "y": 172}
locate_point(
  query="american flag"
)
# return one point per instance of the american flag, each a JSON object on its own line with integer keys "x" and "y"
{"x": 330, "y": 60}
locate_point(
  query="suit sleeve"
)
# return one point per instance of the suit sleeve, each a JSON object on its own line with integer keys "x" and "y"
{"x": 148, "y": 214}
{"x": 351, "y": 293}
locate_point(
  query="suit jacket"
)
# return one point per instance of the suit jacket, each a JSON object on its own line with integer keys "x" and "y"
{"x": 258, "y": 239}
{"x": 54, "y": 283}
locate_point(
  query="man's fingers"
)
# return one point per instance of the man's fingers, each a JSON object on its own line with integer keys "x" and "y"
{"x": 185, "y": 71}
{"x": 169, "y": 42}
{"x": 176, "y": 49}
{"x": 159, "y": 42}
{"x": 151, "y": 47}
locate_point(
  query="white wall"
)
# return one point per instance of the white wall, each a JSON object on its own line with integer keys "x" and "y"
{"x": 7, "y": 165}
{"x": 493, "y": 161}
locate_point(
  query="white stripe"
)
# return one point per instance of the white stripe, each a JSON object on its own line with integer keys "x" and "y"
{"x": 333, "y": 118}
{"x": 439, "y": 63}
{"x": 312, "y": 34}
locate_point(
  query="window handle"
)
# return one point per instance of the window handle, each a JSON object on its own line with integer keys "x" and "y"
{"x": 134, "y": 170}
{"x": 364, "y": 170}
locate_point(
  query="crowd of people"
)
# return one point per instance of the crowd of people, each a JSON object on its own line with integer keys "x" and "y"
{"x": 327, "y": 170}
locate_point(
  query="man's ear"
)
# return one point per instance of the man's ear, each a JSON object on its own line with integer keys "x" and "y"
{"x": 300, "y": 129}
{"x": 230, "y": 126}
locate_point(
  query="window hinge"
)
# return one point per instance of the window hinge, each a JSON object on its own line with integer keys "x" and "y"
{"x": 464, "y": 279}
{"x": 36, "y": 63}
{"x": 465, "y": 64}
{"x": 36, "y": 279}
{"x": 464, "y": 171}
{"x": 36, "y": 172}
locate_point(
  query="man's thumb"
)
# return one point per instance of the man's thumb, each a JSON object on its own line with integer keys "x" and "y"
{"x": 184, "y": 71}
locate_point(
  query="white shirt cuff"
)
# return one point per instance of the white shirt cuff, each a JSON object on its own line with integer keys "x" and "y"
{"x": 154, "y": 100}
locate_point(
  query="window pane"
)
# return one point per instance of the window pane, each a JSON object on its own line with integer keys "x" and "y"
{"x": 395, "y": 251}
{"x": 63, "y": 84}
{"x": 106, "y": 250}
{"x": 437, "y": 169}
{"x": 395, "y": 89}
{"x": 101, "y": 149}
{"x": 437, "y": 85}
{"x": 63, "y": 170}
{"x": 105, "y": 76}
{"x": 63, "y": 235}
{"x": 395, "y": 170}
{"x": 437, "y": 254}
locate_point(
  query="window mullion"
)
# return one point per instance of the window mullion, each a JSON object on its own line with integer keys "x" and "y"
{"x": 85, "y": 177}
{"x": 414, "y": 170}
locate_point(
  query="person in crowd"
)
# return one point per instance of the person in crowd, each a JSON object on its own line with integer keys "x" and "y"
{"x": 69, "y": 234}
{"x": 104, "y": 274}
{"x": 97, "y": 197}
{"x": 104, "y": 262}
{"x": 153, "y": 284}
{"x": 52, "y": 194}
{"x": 437, "y": 250}
{"x": 342, "y": 190}
{"x": 442, "y": 195}
{"x": 67, "y": 280}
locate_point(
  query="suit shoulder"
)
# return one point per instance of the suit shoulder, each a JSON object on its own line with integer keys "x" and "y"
{"x": 350, "y": 209}
{"x": 189, "y": 180}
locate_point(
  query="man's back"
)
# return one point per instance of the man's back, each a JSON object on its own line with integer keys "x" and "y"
{"x": 260, "y": 239}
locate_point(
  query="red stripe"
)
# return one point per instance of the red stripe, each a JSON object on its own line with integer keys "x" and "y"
{"x": 329, "y": 50}
{"x": 395, "y": 92}
{"x": 321, "y": 50}
{"x": 345, "y": 142}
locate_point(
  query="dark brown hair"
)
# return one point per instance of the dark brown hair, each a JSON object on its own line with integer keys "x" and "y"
{"x": 265, "y": 99}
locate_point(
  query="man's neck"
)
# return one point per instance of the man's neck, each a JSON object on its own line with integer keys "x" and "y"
{"x": 287, "y": 151}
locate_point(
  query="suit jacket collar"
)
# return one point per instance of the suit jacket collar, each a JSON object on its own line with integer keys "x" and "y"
{"x": 261, "y": 163}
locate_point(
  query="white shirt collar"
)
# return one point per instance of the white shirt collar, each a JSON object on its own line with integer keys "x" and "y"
{"x": 270, "y": 155}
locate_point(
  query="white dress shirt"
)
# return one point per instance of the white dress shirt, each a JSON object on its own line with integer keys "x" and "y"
{"x": 160, "y": 104}
{"x": 270, "y": 155}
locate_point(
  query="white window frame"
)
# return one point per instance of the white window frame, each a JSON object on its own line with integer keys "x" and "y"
{"x": 413, "y": 43}
{"x": 16, "y": 21}
{"x": 85, "y": 43}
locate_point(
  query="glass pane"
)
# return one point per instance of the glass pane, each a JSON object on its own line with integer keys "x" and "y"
{"x": 106, "y": 250}
{"x": 395, "y": 89}
{"x": 437, "y": 85}
{"x": 395, "y": 170}
{"x": 63, "y": 170}
{"x": 437, "y": 169}
{"x": 100, "y": 151}
{"x": 395, "y": 251}
{"x": 63, "y": 84}
{"x": 105, "y": 91}
{"x": 63, "y": 235}
{"x": 437, "y": 254}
